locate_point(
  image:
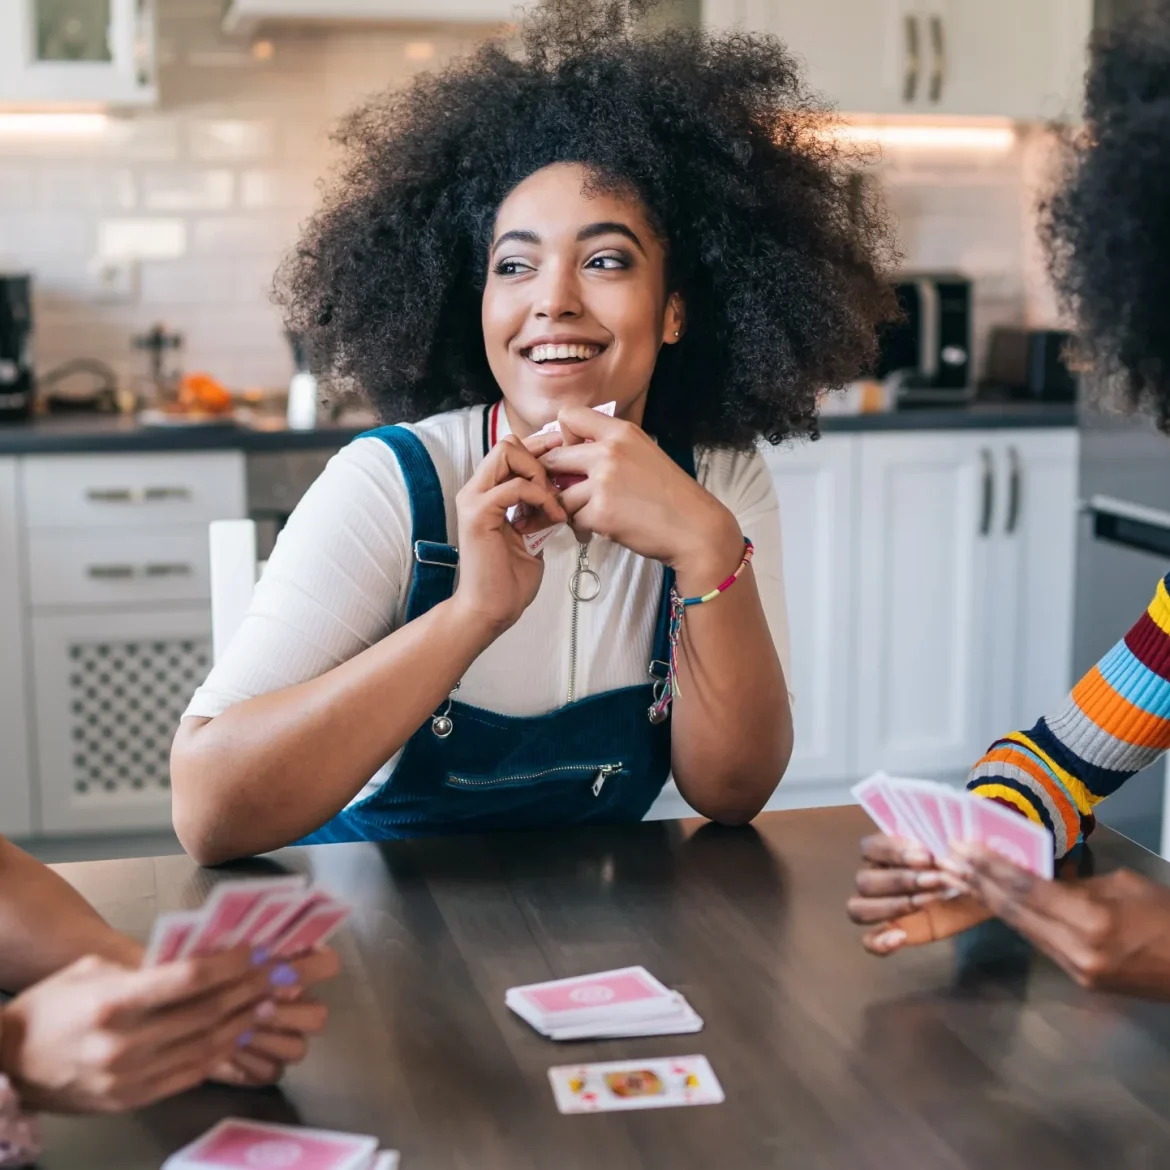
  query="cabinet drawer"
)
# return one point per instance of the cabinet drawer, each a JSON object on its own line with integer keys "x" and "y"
{"x": 88, "y": 491}
{"x": 119, "y": 567}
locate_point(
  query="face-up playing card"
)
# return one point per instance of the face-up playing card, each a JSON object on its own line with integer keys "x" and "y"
{"x": 635, "y": 1084}
{"x": 170, "y": 935}
{"x": 253, "y": 1145}
{"x": 1014, "y": 836}
{"x": 229, "y": 907}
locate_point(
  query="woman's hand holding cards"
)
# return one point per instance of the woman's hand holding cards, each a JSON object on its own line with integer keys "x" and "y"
{"x": 498, "y": 579}
{"x": 906, "y": 899}
{"x": 625, "y": 487}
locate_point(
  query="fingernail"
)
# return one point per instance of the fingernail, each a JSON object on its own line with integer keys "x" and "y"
{"x": 954, "y": 865}
{"x": 890, "y": 938}
{"x": 916, "y": 856}
{"x": 259, "y": 956}
{"x": 244, "y": 1040}
{"x": 266, "y": 1010}
{"x": 930, "y": 880}
{"x": 955, "y": 892}
{"x": 283, "y": 976}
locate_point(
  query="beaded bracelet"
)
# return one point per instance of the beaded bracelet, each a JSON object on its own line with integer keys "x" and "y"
{"x": 667, "y": 688}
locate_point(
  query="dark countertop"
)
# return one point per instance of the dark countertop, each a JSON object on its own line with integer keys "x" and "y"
{"x": 99, "y": 433}
{"x": 958, "y": 1056}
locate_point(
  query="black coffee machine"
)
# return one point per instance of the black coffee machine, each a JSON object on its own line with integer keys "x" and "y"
{"x": 16, "y": 363}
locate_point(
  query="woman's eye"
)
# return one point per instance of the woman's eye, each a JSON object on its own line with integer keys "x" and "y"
{"x": 607, "y": 261}
{"x": 510, "y": 267}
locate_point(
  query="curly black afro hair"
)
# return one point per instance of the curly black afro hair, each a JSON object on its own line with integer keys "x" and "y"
{"x": 776, "y": 248}
{"x": 1107, "y": 227}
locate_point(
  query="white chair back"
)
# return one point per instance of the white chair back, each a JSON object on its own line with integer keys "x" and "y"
{"x": 234, "y": 572}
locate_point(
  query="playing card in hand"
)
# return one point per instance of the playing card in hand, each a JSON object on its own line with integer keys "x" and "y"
{"x": 933, "y": 815}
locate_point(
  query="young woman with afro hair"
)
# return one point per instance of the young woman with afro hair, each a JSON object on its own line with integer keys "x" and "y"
{"x": 1108, "y": 232}
{"x": 655, "y": 220}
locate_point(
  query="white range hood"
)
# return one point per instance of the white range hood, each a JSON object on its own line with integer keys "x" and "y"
{"x": 246, "y": 16}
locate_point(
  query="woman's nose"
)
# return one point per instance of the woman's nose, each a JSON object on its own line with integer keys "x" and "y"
{"x": 557, "y": 296}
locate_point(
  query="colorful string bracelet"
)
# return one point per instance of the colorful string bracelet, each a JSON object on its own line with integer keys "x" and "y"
{"x": 666, "y": 688}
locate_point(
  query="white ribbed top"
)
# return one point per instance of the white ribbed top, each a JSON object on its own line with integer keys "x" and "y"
{"x": 337, "y": 582}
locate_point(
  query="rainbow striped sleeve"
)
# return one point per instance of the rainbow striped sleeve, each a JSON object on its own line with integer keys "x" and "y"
{"x": 1115, "y": 723}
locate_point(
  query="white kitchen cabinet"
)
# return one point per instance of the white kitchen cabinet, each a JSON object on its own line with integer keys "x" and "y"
{"x": 110, "y": 689}
{"x": 15, "y": 777}
{"x": 921, "y": 597}
{"x": 77, "y": 52}
{"x": 816, "y": 487}
{"x": 1021, "y": 59}
{"x": 246, "y": 16}
{"x": 1028, "y": 663}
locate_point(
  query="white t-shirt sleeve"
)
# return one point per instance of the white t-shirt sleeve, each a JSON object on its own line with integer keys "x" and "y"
{"x": 335, "y": 580}
{"x": 743, "y": 483}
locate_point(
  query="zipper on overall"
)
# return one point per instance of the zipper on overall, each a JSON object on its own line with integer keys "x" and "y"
{"x": 600, "y": 775}
{"x": 584, "y": 585}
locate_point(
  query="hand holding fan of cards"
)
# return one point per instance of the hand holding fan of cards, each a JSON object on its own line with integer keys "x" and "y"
{"x": 283, "y": 916}
{"x": 933, "y": 815}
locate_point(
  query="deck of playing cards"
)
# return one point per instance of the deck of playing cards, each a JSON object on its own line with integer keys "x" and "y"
{"x": 535, "y": 541}
{"x": 606, "y": 1006}
{"x": 283, "y": 915}
{"x": 635, "y": 1084}
{"x": 236, "y": 1144}
{"x": 934, "y": 815}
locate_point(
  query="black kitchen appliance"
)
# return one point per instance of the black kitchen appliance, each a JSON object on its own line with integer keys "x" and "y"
{"x": 1030, "y": 364}
{"x": 16, "y": 363}
{"x": 926, "y": 354}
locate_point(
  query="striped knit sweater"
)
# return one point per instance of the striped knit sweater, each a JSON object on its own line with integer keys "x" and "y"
{"x": 1115, "y": 723}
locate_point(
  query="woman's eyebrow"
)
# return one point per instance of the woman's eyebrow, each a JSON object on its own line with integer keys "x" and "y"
{"x": 605, "y": 228}
{"x": 523, "y": 235}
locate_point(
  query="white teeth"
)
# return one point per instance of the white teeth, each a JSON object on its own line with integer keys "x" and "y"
{"x": 548, "y": 353}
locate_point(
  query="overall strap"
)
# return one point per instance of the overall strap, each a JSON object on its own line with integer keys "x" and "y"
{"x": 433, "y": 579}
{"x": 660, "y": 654}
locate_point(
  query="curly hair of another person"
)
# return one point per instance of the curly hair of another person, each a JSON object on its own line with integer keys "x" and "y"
{"x": 1107, "y": 226}
{"x": 777, "y": 249}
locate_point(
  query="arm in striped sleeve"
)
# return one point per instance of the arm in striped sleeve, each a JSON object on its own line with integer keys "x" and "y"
{"x": 1115, "y": 722}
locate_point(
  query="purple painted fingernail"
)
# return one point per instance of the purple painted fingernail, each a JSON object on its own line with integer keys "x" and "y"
{"x": 244, "y": 1040}
{"x": 283, "y": 976}
{"x": 259, "y": 956}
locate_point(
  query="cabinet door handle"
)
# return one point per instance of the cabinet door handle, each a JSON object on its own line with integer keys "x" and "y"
{"x": 127, "y": 495}
{"x": 1015, "y": 486}
{"x": 143, "y": 41}
{"x": 109, "y": 572}
{"x": 174, "y": 569}
{"x": 938, "y": 44}
{"x": 913, "y": 59}
{"x": 988, "y": 492}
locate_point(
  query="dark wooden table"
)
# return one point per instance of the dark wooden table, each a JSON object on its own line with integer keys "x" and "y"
{"x": 971, "y": 1055}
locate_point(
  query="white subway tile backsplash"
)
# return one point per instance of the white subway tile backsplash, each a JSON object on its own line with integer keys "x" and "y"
{"x": 152, "y": 137}
{"x": 18, "y": 186}
{"x": 142, "y": 239}
{"x": 89, "y": 187}
{"x": 243, "y": 235}
{"x": 230, "y": 139}
{"x": 184, "y": 190}
{"x": 285, "y": 188}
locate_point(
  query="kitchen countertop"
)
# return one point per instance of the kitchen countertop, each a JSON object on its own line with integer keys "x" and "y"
{"x": 99, "y": 433}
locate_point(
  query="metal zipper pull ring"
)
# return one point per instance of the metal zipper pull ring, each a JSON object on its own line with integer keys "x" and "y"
{"x": 442, "y": 724}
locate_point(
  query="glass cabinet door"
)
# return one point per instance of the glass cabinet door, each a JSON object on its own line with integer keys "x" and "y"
{"x": 72, "y": 30}
{"x": 63, "y": 52}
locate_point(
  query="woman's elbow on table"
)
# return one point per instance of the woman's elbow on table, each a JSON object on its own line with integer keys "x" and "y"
{"x": 737, "y": 797}
{"x": 199, "y": 813}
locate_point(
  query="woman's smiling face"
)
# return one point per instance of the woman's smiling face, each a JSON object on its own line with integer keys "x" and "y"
{"x": 575, "y": 306}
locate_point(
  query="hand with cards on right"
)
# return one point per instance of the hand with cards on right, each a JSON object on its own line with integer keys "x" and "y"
{"x": 902, "y": 893}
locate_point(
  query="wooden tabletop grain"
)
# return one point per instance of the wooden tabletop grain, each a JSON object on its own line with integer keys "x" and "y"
{"x": 977, "y": 1054}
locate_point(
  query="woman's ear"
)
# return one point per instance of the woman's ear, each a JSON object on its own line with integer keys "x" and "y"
{"x": 675, "y": 320}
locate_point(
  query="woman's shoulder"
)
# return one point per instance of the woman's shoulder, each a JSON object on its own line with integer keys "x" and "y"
{"x": 453, "y": 440}
{"x": 738, "y": 479}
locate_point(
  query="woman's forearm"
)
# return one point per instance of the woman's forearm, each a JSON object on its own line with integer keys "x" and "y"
{"x": 45, "y": 924}
{"x": 731, "y": 735}
{"x": 278, "y": 766}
